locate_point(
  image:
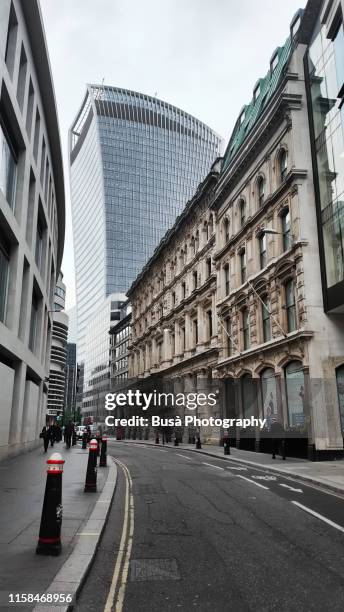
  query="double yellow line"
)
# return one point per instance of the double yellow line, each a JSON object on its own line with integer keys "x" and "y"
{"x": 116, "y": 594}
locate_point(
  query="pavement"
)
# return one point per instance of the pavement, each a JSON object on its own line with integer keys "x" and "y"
{"x": 207, "y": 534}
{"x": 327, "y": 474}
{"x": 22, "y": 482}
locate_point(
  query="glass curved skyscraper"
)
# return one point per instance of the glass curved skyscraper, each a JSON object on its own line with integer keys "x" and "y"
{"x": 134, "y": 163}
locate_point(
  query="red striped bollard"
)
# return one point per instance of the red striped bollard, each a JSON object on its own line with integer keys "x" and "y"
{"x": 102, "y": 460}
{"x": 91, "y": 474}
{"x": 49, "y": 540}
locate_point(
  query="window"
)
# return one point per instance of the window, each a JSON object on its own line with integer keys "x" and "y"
{"x": 194, "y": 277}
{"x": 8, "y": 169}
{"x": 340, "y": 391}
{"x": 193, "y": 245}
{"x": 195, "y": 331}
{"x": 242, "y": 212}
{"x": 261, "y": 189}
{"x": 226, "y": 230}
{"x": 11, "y": 41}
{"x": 228, "y": 327}
{"x": 274, "y": 62}
{"x": 242, "y": 259}
{"x": 39, "y": 248}
{"x": 266, "y": 319}
{"x": 182, "y": 331}
{"x": 197, "y": 241}
{"x": 33, "y": 323}
{"x": 210, "y": 226}
{"x": 295, "y": 392}
{"x": 209, "y": 267}
{"x": 22, "y": 78}
{"x": 290, "y": 305}
{"x": 262, "y": 251}
{"x": 227, "y": 280}
{"x": 210, "y": 323}
{"x": 286, "y": 235}
{"x": 173, "y": 298}
{"x": 183, "y": 291}
{"x": 283, "y": 159}
{"x": 4, "y": 273}
{"x": 338, "y": 46}
{"x": 269, "y": 395}
{"x": 246, "y": 329}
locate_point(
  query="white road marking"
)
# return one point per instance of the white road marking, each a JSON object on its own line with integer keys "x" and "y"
{"x": 213, "y": 466}
{"x": 239, "y": 469}
{"x": 253, "y": 482}
{"x": 264, "y": 477}
{"x": 291, "y": 488}
{"x": 319, "y": 516}
{"x": 124, "y": 548}
{"x": 184, "y": 456}
{"x": 88, "y": 534}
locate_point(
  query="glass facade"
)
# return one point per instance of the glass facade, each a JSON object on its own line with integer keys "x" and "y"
{"x": 326, "y": 89}
{"x": 135, "y": 161}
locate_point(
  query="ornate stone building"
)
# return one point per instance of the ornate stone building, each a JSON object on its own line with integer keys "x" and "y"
{"x": 233, "y": 293}
{"x": 174, "y": 324}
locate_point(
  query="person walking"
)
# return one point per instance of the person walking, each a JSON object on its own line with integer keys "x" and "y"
{"x": 45, "y": 434}
{"x": 68, "y": 433}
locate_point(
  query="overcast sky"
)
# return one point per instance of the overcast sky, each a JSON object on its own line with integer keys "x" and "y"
{"x": 203, "y": 56}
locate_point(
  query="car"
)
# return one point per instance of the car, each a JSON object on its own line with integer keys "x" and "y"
{"x": 79, "y": 431}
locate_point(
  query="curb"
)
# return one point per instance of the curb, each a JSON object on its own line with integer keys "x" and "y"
{"x": 73, "y": 572}
{"x": 299, "y": 477}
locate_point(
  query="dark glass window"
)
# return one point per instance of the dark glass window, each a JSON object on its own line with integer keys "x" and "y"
{"x": 242, "y": 257}
{"x": 227, "y": 279}
{"x": 246, "y": 329}
{"x": 228, "y": 326}
{"x": 290, "y": 305}
{"x": 195, "y": 330}
{"x": 194, "y": 277}
{"x": 283, "y": 161}
{"x": 226, "y": 229}
{"x": 286, "y": 235}
{"x": 183, "y": 291}
{"x": 8, "y": 169}
{"x": 262, "y": 251}
{"x": 33, "y": 324}
{"x": 266, "y": 319}
{"x": 242, "y": 212}
{"x": 261, "y": 190}
{"x": 4, "y": 273}
{"x": 210, "y": 323}
{"x": 209, "y": 267}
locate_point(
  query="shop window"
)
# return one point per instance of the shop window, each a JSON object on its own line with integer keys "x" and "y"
{"x": 269, "y": 395}
{"x": 295, "y": 393}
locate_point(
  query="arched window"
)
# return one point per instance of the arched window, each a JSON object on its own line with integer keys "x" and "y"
{"x": 242, "y": 212}
{"x": 340, "y": 391}
{"x": 261, "y": 190}
{"x": 295, "y": 393}
{"x": 226, "y": 230}
{"x": 283, "y": 164}
{"x": 269, "y": 395}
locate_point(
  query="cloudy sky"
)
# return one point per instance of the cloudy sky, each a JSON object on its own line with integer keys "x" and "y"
{"x": 200, "y": 55}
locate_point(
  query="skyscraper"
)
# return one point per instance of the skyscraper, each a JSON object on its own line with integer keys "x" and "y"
{"x": 134, "y": 163}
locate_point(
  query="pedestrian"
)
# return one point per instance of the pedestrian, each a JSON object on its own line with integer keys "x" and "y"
{"x": 278, "y": 439}
{"x": 45, "y": 435}
{"x": 68, "y": 433}
{"x": 52, "y": 432}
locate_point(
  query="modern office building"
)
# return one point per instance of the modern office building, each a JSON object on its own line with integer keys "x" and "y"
{"x": 119, "y": 348}
{"x": 32, "y": 219}
{"x": 58, "y": 354}
{"x": 71, "y": 381}
{"x": 134, "y": 162}
{"x": 96, "y": 373}
{"x": 72, "y": 325}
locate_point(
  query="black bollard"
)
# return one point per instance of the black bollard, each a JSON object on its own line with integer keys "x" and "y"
{"x": 84, "y": 440}
{"x": 49, "y": 540}
{"x": 98, "y": 440}
{"x": 226, "y": 443}
{"x": 91, "y": 474}
{"x": 198, "y": 441}
{"x": 102, "y": 460}
{"x": 157, "y": 438}
{"x": 176, "y": 441}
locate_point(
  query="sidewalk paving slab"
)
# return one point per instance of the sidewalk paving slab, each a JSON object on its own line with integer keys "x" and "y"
{"x": 22, "y": 482}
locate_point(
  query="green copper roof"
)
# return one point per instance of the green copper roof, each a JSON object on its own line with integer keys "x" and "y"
{"x": 262, "y": 93}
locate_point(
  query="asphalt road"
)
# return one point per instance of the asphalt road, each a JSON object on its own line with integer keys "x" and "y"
{"x": 187, "y": 531}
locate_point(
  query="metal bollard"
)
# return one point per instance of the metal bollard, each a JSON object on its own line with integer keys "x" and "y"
{"x": 49, "y": 540}
{"x": 102, "y": 460}
{"x": 198, "y": 441}
{"x": 74, "y": 438}
{"x": 157, "y": 438}
{"x": 91, "y": 474}
{"x": 98, "y": 440}
{"x": 226, "y": 443}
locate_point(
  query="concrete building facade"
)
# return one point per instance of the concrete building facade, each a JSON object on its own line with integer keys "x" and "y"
{"x": 32, "y": 219}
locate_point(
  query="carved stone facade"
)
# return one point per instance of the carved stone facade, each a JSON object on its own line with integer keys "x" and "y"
{"x": 233, "y": 292}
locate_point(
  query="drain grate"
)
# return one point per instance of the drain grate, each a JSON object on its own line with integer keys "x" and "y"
{"x": 153, "y": 569}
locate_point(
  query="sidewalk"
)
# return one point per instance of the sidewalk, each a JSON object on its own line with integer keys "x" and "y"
{"x": 22, "y": 485}
{"x": 327, "y": 474}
